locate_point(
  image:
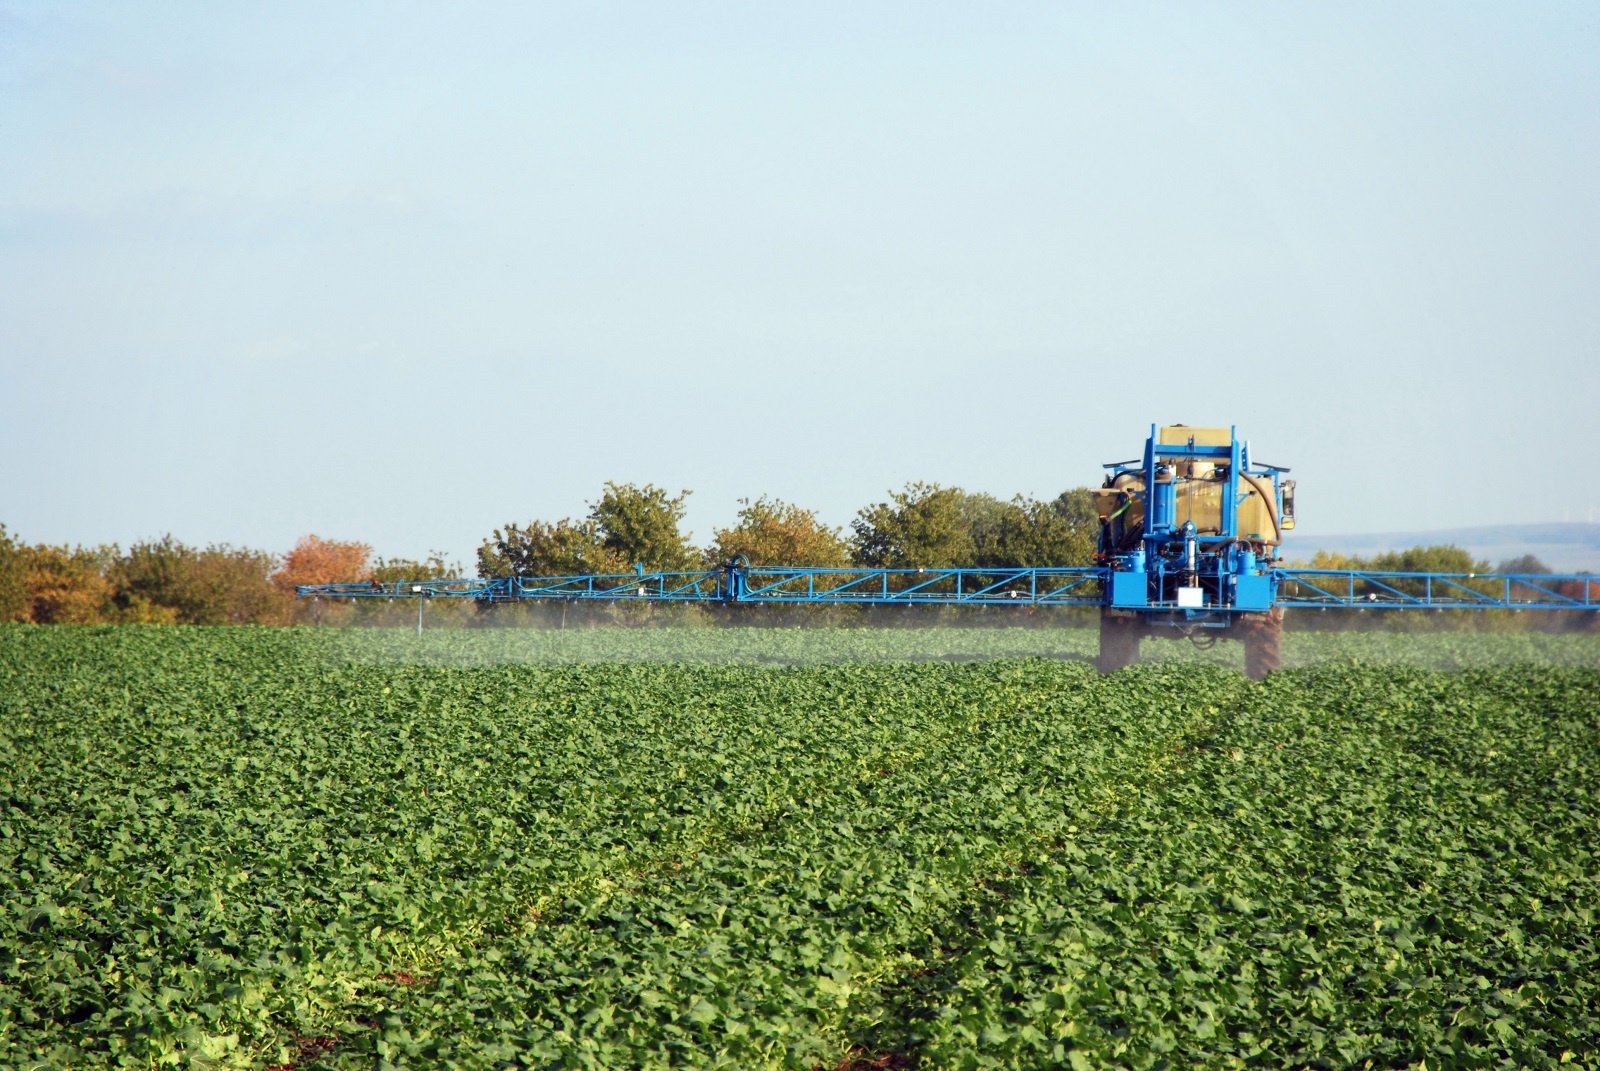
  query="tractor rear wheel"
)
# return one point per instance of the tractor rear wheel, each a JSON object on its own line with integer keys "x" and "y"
{"x": 1263, "y": 644}
{"x": 1120, "y": 632}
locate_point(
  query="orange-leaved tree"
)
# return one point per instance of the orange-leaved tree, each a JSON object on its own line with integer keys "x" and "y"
{"x": 315, "y": 560}
{"x": 67, "y": 585}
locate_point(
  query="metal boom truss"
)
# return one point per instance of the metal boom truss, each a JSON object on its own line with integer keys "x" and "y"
{"x": 1022, "y": 586}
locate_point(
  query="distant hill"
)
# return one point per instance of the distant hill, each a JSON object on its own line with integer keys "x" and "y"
{"x": 1565, "y": 548}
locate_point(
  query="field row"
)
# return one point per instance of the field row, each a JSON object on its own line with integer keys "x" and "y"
{"x": 253, "y": 849}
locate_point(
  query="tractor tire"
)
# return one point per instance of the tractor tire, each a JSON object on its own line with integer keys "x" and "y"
{"x": 1120, "y": 632}
{"x": 1263, "y": 644}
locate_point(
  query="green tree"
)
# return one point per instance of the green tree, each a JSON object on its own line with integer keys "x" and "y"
{"x": 1526, "y": 564}
{"x": 1059, "y": 532}
{"x": 166, "y": 581}
{"x": 988, "y": 521}
{"x": 565, "y": 548}
{"x": 628, "y": 526}
{"x": 641, "y": 526}
{"x": 433, "y": 567}
{"x": 922, "y": 526}
{"x": 13, "y": 578}
{"x": 770, "y": 532}
{"x": 1438, "y": 559}
{"x": 229, "y": 585}
{"x": 151, "y": 577}
{"x": 1077, "y": 507}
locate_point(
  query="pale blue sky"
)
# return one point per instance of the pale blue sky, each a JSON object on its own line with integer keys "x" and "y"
{"x": 404, "y": 273}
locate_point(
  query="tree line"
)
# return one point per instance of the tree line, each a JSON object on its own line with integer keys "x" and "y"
{"x": 922, "y": 525}
{"x": 166, "y": 581}
{"x": 629, "y": 526}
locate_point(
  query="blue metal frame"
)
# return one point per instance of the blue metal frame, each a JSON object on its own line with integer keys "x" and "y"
{"x": 1233, "y": 572}
{"x": 1367, "y": 589}
{"x": 1034, "y": 586}
{"x": 1025, "y": 586}
{"x": 769, "y": 585}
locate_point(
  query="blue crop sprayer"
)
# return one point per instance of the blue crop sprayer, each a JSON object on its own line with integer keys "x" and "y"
{"x": 1189, "y": 541}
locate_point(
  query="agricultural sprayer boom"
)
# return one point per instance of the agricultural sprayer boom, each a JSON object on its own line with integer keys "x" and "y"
{"x": 1189, "y": 539}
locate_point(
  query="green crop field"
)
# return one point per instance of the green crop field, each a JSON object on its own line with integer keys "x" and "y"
{"x": 249, "y": 848}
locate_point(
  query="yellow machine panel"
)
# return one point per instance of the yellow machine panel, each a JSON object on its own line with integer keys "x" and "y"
{"x": 1200, "y": 501}
{"x": 1255, "y": 520}
{"x": 1179, "y": 435}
